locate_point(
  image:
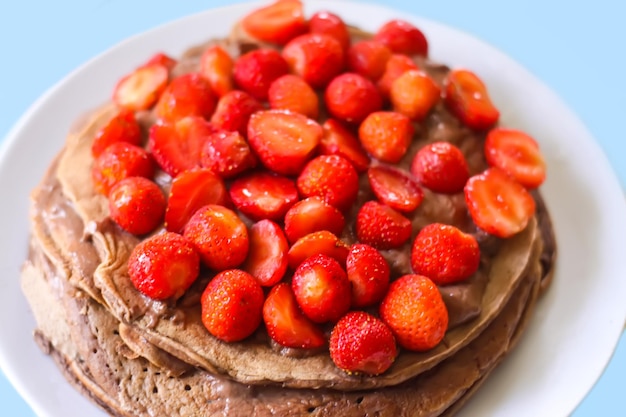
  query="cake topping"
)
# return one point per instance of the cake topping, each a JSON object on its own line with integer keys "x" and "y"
{"x": 368, "y": 58}
{"x": 118, "y": 161}
{"x": 440, "y": 167}
{"x": 137, "y": 205}
{"x": 381, "y": 226}
{"x": 255, "y": 71}
{"x": 291, "y": 92}
{"x": 123, "y": 127}
{"x": 186, "y": 95}
{"x": 310, "y": 215}
{"x": 315, "y": 57}
{"x": 397, "y": 65}
{"x": 351, "y": 97}
{"x": 338, "y": 140}
{"x": 467, "y": 98}
{"x": 216, "y": 66}
{"x": 328, "y": 23}
{"x": 395, "y": 187}
{"x": 369, "y": 274}
{"x": 278, "y": 22}
{"x": 140, "y": 89}
{"x": 323, "y": 242}
{"x": 227, "y": 153}
{"x": 402, "y": 37}
{"x": 414, "y": 93}
{"x": 262, "y": 195}
{"x": 386, "y": 135}
{"x": 267, "y": 257}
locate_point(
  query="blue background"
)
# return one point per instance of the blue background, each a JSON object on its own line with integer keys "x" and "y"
{"x": 576, "y": 47}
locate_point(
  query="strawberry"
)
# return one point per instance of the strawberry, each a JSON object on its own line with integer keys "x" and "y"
{"x": 262, "y": 195}
{"x": 161, "y": 59}
{"x": 444, "y": 254}
{"x": 327, "y": 23}
{"x": 177, "y": 146}
{"x": 338, "y": 140}
{"x": 362, "y": 344}
{"x": 186, "y": 95}
{"x": 227, "y": 154}
{"x": 232, "y": 305}
{"x": 285, "y": 322}
{"x": 315, "y": 57}
{"x": 278, "y": 23}
{"x": 314, "y": 243}
{"x": 395, "y": 188}
{"x": 267, "y": 258}
{"x": 517, "y": 154}
{"x": 219, "y": 236}
{"x": 368, "y": 58}
{"x": 351, "y": 97}
{"x": 414, "y": 310}
{"x": 233, "y": 111}
{"x": 397, "y": 65}
{"x": 312, "y": 215}
{"x": 467, "y": 98}
{"x": 331, "y": 177}
{"x": 283, "y": 140}
{"x": 121, "y": 128}
{"x": 140, "y": 89}
{"x": 257, "y": 69}
{"x": 321, "y": 288}
{"x": 291, "y": 92}
{"x": 118, "y": 161}
{"x": 137, "y": 205}
{"x": 386, "y": 135}
{"x": 440, "y": 167}
{"x": 414, "y": 94}
{"x": 381, "y": 226}
{"x": 368, "y": 273}
{"x": 163, "y": 266}
{"x": 402, "y": 37}
{"x": 216, "y": 66}
{"x": 498, "y": 204}
{"x": 189, "y": 191}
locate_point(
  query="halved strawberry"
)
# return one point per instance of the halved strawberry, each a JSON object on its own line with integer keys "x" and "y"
{"x": 137, "y": 205}
{"x": 284, "y": 141}
{"x": 414, "y": 94}
{"x": 351, "y": 97}
{"x": 517, "y": 154}
{"x": 122, "y": 127}
{"x": 381, "y": 226}
{"x": 328, "y": 23}
{"x": 216, "y": 66}
{"x": 186, "y": 95}
{"x": 278, "y": 23}
{"x": 338, "y": 140}
{"x": 233, "y": 111}
{"x": 323, "y": 242}
{"x": 291, "y": 92}
{"x": 190, "y": 191}
{"x": 140, "y": 89}
{"x": 315, "y": 57}
{"x": 267, "y": 258}
{"x": 162, "y": 59}
{"x": 440, "y": 167}
{"x": 386, "y": 135}
{"x": 227, "y": 154}
{"x": 255, "y": 71}
{"x": 397, "y": 65}
{"x": 395, "y": 187}
{"x": 331, "y": 177}
{"x": 312, "y": 215}
{"x": 467, "y": 98}
{"x": 369, "y": 274}
{"x": 285, "y": 322}
{"x": 498, "y": 204}
{"x": 402, "y": 37}
{"x": 262, "y": 195}
{"x": 118, "y": 161}
{"x": 368, "y": 58}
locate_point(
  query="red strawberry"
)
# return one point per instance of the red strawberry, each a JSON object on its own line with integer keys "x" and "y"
{"x": 386, "y": 135}
{"x": 255, "y": 71}
{"x": 140, "y": 89}
{"x": 414, "y": 94}
{"x": 278, "y": 23}
{"x": 262, "y": 195}
{"x": 234, "y": 110}
{"x": 338, "y": 140}
{"x": 467, "y": 98}
{"x": 414, "y": 310}
{"x": 137, "y": 205}
{"x": 402, "y": 38}
{"x": 517, "y": 154}
{"x": 285, "y": 322}
{"x": 498, "y": 204}
{"x": 163, "y": 266}
{"x": 216, "y": 66}
{"x": 118, "y": 161}
{"x": 291, "y": 92}
{"x": 315, "y": 57}
{"x": 190, "y": 191}
{"x": 267, "y": 258}
{"x": 395, "y": 188}
{"x": 121, "y": 128}
{"x": 332, "y": 178}
{"x": 232, "y": 305}
{"x": 327, "y": 23}
{"x": 440, "y": 167}
{"x": 368, "y": 273}
{"x": 321, "y": 242}
{"x": 322, "y": 289}
{"x": 161, "y": 59}
{"x": 381, "y": 226}
{"x": 368, "y": 58}
{"x": 351, "y": 97}
{"x": 362, "y": 344}
{"x": 187, "y": 95}
{"x": 284, "y": 141}
{"x": 397, "y": 65}
{"x": 312, "y": 215}
{"x": 444, "y": 254}
{"x": 220, "y": 237}
{"x": 227, "y": 154}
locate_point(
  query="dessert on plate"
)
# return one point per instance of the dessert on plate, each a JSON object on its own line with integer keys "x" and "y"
{"x": 300, "y": 218}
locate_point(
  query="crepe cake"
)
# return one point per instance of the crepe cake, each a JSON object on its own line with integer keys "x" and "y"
{"x": 137, "y": 356}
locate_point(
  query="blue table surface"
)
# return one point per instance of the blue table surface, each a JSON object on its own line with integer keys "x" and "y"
{"x": 575, "y": 46}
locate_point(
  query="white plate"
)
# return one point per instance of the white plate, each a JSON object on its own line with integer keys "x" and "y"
{"x": 578, "y": 322}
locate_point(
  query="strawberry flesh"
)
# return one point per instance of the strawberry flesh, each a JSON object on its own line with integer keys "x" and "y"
{"x": 338, "y": 140}
{"x": 467, "y": 98}
{"x": 186, "y": 95}
{"x": 123, "y": 127}
{"x": 227, "y": 154}
{"x": 395, "y": 188}
{"x": 323, "y": 242}
{"x": 312, "y": 215}
{"x": 140, "y": 89}
{"x": 278, "y": 22}
{"x": 263, "y": 195}
{"x": 267, "y": 258}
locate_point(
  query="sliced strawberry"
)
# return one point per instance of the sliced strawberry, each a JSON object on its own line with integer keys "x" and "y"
{"x": 161, "y": 59}
{"x": 331, "y": 177}
{"x": 517, "y": 154}
{"x": 498, "y": 204}
{"x": 263, "y": 195}
{"x": 233, "y": 111}
{"x": 381, "y": 226}
{"x": 291, "y": 92}
{"x": 227, "y": 154}
{"x": 118, "y": 161}
{"x": 312, "y": 215}
{"x": 284, "y": 141}
{"x": 315, "y": 57}
{"x": 397, "y": 65}
{"x": 255, "y": 71}
{"x": 123, "y": 127}
{"x": 368, "y": 273}
{"x": 467, "y": 98}
{"x": 137, "y": 205}
{"x": 216, "y": 66}
{"x": 278, "y": 23}
{"x": 190, "y": 191}
{"x": 338, "y": 140}
{"x": 402, "y": 37}
{"x": 368, "y": 58}
{"x": 386, "y": 135}
{"x": 327, "y": 23}
{"x": 440, "y": 167}
{"x": 186, "y": 95}
{"x": 285, "y": 322}
{"x": 395, "y": 187}
{"x": 267, "y": 259}
{"x": 140, "y": 89}
{"x": 414, "y": 94}
{"x": 315, "y": 243}
{"x": 351, "y": 97}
